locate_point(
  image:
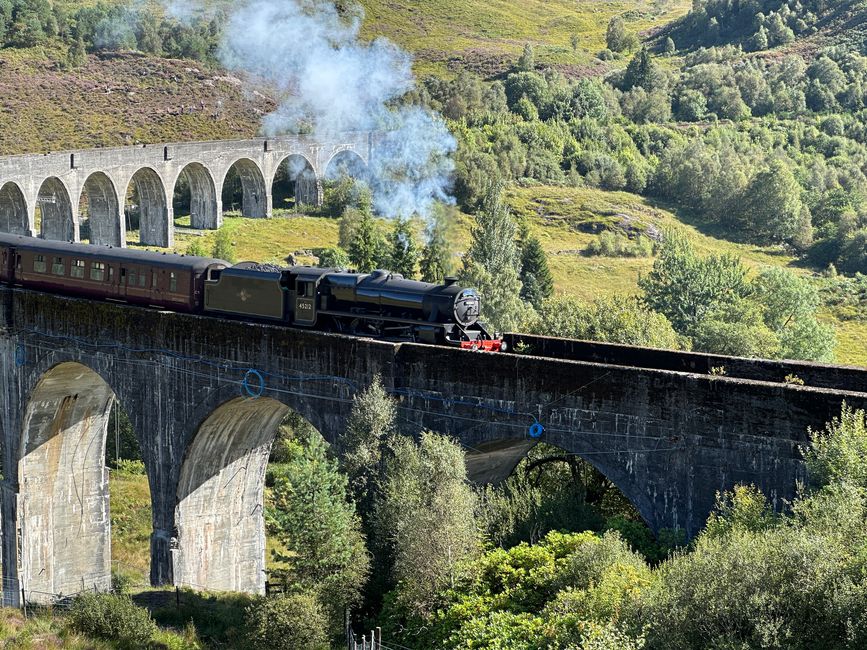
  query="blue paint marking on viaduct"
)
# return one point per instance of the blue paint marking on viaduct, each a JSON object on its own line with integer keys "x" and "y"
{"x": 205, "y": 397}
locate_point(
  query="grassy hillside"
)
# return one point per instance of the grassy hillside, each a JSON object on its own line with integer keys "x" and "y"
{"x": 487, "y": 35}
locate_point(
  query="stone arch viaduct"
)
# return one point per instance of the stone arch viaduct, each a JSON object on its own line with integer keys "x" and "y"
{"x": 82, "y": 194}
{"x": 660, "y": 425}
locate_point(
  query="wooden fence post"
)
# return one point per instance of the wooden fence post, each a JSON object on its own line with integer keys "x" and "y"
{"x": 378, "y": 638}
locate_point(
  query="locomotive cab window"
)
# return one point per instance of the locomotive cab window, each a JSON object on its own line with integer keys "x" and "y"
{"x": 306, "y": 290}
{"x": 97, "y": 271}
{"x": 77, "y": 269}
{"x": 57, "y": 266}
{"x": 39, "y": 263}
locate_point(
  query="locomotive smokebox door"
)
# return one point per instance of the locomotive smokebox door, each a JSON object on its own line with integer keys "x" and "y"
{"x": 305, "y": 302}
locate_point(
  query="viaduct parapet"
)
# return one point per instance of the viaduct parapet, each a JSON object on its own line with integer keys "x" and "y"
{"x": 82, "y": 195}
{"x": 657, "y": 424}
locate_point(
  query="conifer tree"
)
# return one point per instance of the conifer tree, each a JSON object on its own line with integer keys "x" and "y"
{"x": 535, "y": 274}
{"x": 493, "y": 262}
{"x": 436, "y": 260}
{"x": 318, "y": 526}
{"x": 366, "y": 246}
{"x": 527, "y": 62}
{"x": 404, "y": 253}
{"x": 641, "y": 71}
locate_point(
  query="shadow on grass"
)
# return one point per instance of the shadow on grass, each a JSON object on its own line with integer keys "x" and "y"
{"x": 217, "y": 617}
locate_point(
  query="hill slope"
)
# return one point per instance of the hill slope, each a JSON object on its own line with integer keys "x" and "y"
{"x": 118, "y": 100}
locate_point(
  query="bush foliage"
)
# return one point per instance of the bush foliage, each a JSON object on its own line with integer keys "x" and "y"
{"x": 114, "y": 618}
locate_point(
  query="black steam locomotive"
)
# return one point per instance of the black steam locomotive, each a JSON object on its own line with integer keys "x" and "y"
{"x": 379, "y": 304}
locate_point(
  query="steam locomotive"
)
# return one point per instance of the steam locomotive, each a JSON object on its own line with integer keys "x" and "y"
{"x": 379, "y": 304}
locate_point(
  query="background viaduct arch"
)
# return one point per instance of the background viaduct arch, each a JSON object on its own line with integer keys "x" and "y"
{"x": 56, "y": 220}
{"x": 254, "y": 194}
{"x": 295, "y": 183}
{"x": 99, "y": 212}
{"x": 147, "y": 210}
{"x": 200, "y": 199}
{"x": 13, "y": 210}
{"x": 347, "y": 163}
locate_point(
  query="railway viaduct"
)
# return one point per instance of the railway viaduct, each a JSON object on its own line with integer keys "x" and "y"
{"x": 206, "y": 396}
{"x": 75, "y": 195}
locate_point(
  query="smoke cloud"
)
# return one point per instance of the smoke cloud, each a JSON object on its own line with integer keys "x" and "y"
{"x": 330, "y": 82}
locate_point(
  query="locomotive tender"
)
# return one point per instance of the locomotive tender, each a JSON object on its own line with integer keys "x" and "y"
{"x": 378, "y": 304}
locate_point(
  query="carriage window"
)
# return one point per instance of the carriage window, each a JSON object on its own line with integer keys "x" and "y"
{"x": 97, "y": 271}
{"x": 57, "y": 267}
{"x": 153, "y": 279}
{"x": 132, "y": 277}
{"x": 122, "y": 276}
{"x": 39, "y": 263}
{"x": 173, "y": 281}
{"x": 77, "y": 269}
{"x": 142, "y": 279}
{"x": 110, "y": 273}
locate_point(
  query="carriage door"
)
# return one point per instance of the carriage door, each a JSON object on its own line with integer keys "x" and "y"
{"x": 305, "y": 303}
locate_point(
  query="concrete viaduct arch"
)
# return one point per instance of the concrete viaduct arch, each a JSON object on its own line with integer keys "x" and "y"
{"x": 84, "y": 191}
{"x": 657, "y": 424}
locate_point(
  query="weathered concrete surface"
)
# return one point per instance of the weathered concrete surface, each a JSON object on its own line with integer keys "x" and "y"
{"x": 668, "y": 439}
{"x": 221, "y": 532}
{"x": 63, "y": 525}
{"x": 99, "y": 179}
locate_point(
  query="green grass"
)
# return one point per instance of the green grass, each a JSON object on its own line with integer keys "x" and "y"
{"x": 488, "y": 35}
{"x": 131, "y": 525}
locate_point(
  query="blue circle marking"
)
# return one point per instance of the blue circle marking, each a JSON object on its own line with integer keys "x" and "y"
{"x": 536, "y": 430}
{"x": 257, "y": 381}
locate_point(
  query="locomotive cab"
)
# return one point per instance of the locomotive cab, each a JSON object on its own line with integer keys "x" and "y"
{"x": 305, "y": 301}
{"x": 304, "y": 291}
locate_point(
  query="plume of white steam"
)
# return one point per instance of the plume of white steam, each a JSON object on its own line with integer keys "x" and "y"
{"x": 330, "y": 82}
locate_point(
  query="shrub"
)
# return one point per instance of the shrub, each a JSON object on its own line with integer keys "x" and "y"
{"x": 129, "y": 467}
{"x": 610, "y": 244}
{"x": 196, "y": 249}
{"x": 222, "y": 249}
{"x": 333, "y": 258}
{"x": 292, "y": 622}
{"x": 112, "y": 617}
